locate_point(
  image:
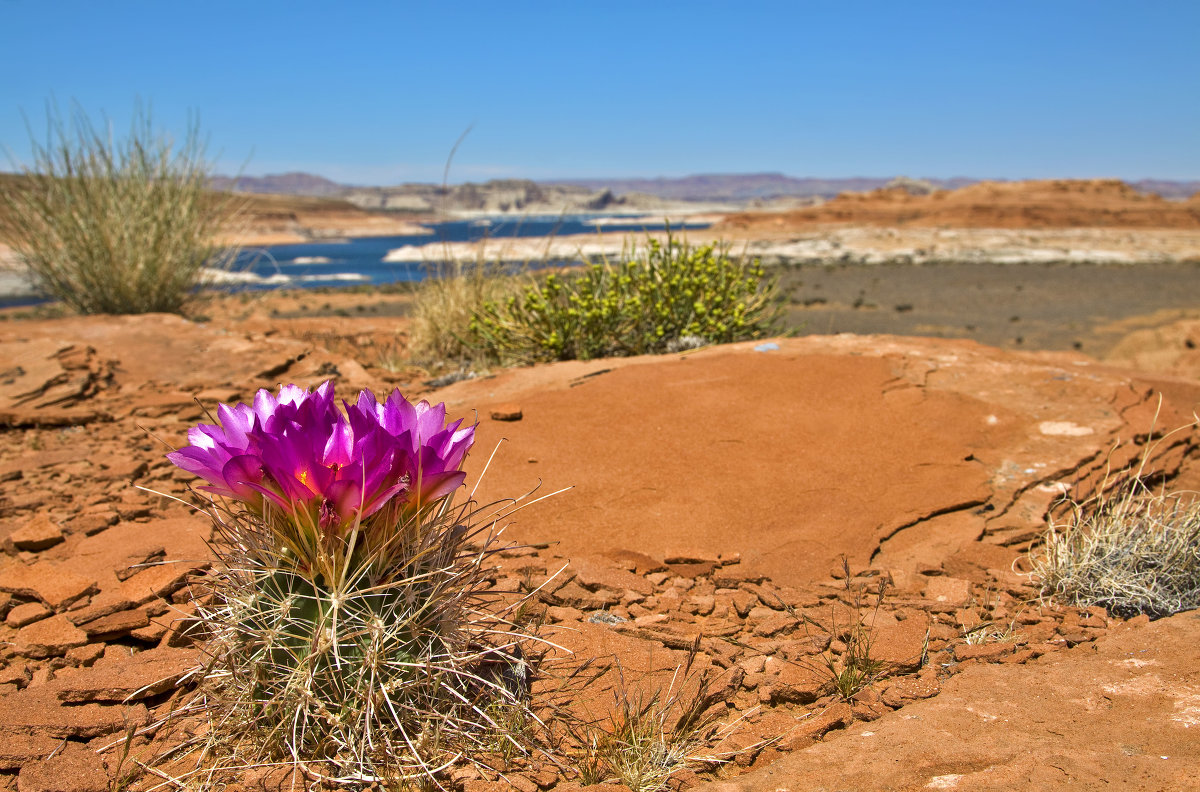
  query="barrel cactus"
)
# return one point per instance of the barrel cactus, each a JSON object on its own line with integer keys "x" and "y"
{"x": 349, "y": 627}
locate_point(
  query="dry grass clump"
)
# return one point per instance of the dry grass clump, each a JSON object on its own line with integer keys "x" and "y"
{"x": 1128, "y": 548}
{"x": 116, "y": 226}
{"x": 445, "y": 302}
{"x": 649, "y": 736}
{"x": 855, "y": 668}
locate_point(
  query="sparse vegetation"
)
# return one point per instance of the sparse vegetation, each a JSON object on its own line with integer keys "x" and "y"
{"x": 672, "y": 296}
{"x": 445, "y": 302}
{"x": 649, "y": 736}
{"x": 1127, "y": 548}
{"x": 115, "y": 226}
{"x": 855, "y": 668}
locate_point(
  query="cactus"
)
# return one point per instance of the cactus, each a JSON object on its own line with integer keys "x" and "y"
{"x": 353, "y": 635}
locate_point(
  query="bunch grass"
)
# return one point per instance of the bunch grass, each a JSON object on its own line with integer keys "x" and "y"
{"x": 1129, "y": 548}
{"x": 648, "y": 736}
{"x": 444, "y": 304}
{"x": 116, "y": 227}
{"x": 670, "y": 296}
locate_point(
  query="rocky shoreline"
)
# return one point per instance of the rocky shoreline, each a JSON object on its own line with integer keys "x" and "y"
{"x": 839, "y": 244}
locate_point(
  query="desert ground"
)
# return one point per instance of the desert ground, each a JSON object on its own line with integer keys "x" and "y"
{"x": 891, "y": 463}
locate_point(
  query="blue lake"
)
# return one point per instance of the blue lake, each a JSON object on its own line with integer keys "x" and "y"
{"x": 360, "y": 260}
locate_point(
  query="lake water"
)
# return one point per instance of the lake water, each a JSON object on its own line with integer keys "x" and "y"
{"x": 360, "y": 260}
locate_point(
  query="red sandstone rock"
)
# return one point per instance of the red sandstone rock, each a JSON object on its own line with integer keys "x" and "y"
{"x": 115, "y": 625}
{"x": 38, "y": 712}
{"x": 906, "y": 689}
{"x": 26, "y": 613}
{"x": 49, "y": 637}
{"x": 506, "y": 412}
{"x": 987, "y": 653}
{"x": 900, "y": 645}
{"x": 17, "y": 750}
{"x": 145, "y": 674}
{"x": 73, "y": 769}
{"x": 47, "y": 581}
{"x": 802, "y": 682}
{"x": 596, "y": 572}
{"x": 1108, "y": 715}
{"x": 38, "y": 533}
{"x": 950, "y": 591}
{"x": 770, "y": 483}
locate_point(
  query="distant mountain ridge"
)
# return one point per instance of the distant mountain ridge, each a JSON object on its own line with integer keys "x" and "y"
{"x": 747, "y": 186}
{"x": 294, "y": 183}
{"x": 735, "y": 187}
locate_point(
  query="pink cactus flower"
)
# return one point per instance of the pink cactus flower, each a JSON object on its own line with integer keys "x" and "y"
{"x": 298, "y": 452}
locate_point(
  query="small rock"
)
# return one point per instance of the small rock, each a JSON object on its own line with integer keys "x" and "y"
{"x": 157, "y": 580}
{"x": 38, "y": 534}
{"x": 144, "y": 674}
{"x": 800, "y": 683}
{"x": 560, "y": 613}
{"x": 742, "y": 602}
{"x": 867, "y": 705}
{"x": 91, "y": 524}
{"x": 47, "y": 581}
{"x": 700, "y": 604}
{"x": 900, "y": 645}
{"x": 575, "y": 596}
{"x": 775, "y": 624}
{"x": 27, "y": 613}
{"x": 17, "y": 674}
{"x": 17, "y": 750}
{"x": 594, "y": 573}
{"x": 836, "y": 716}
{"x": 903, "y": 690}
{"x": 85, "y": 655}
{"x": 948, "y": 590}
{"x": 506, "y": 412}
{"x": 115, "y": 625}
{"x": 49, "y": 638}
{"x": 37, "y": 711}
{"x": 73, "y": 769}
{"x": 986, "y": 653}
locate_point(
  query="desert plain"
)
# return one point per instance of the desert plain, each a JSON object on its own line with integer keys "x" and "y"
{"x": 891, "y": 463}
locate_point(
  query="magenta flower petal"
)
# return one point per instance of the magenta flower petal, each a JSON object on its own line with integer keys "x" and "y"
{"x": 240, "y": 472}
{"x": 340, "y": 445}
{"x": 298, "y": 450}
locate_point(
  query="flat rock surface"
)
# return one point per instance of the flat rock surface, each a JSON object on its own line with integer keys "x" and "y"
{"x": 841, "y": 445}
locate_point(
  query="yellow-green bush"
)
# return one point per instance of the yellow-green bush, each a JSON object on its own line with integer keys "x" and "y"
{"x": 672, "y": 296}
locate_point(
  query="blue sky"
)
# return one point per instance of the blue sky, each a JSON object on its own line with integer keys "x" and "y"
{"x": 378, "y": 92}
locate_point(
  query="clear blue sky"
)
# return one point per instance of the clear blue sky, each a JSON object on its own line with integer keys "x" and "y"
{"x": 378, "y": 92}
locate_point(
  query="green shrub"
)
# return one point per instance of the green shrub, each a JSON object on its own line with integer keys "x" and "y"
{"x": 672, "y": 297}
{"x": 115, "y": 227}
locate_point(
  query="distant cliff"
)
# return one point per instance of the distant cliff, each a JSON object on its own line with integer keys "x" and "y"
{"x": 728, "y": 190}
{"x": 746, "y": 186}
{"x": 493, "y": 197}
